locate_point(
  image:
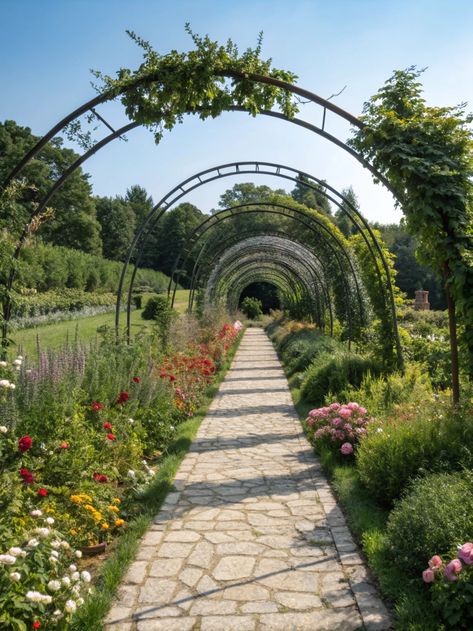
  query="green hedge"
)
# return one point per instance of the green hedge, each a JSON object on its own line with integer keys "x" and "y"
{"x": 64, "y": 300}
{"x": 48, "y": 267}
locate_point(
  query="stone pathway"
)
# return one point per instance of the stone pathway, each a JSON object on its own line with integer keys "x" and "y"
{"x": 252, "y": 537}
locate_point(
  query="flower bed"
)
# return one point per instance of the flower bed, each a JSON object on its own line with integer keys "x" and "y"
{"x": 81, "y": 437}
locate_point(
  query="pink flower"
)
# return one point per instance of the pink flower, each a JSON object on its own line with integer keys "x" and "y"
{"x": 346, "y": 449}
{"x": 452, "y": 569}
{"x": 336, "y": 422}
{"x": 465, "y": 553}
{"x": 428, "y": 576}
{"x": 352, "y": 406}
{"x": 344, "y": 412}
{"x": 435, "y": 562}
{"x": 362, "y": 410}
{"x": 334, "y": 407}
{"x": 319, "y": 433}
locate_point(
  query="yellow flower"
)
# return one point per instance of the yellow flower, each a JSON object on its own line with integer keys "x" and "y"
{"x": 105, "y": 526}
{"x": 116, "y": 500}
{"x": 73, "y": 532}
{"x": 97, "y": 516}
{"x": 119, "y": 522}
{"x": 114, "y": 509}
{"x": 89, "y": 508}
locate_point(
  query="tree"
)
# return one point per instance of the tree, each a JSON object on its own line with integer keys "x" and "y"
{"x": 341, "y": 218}
{"x": 118, "y": 226}
{"x": 310, "y": 197}
{"x": 247, "y": 192}
{"x": 73, "y": 223}
{"x": 140, "y": 202}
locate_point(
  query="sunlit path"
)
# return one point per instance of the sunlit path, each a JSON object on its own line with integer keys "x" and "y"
{"x": 252, "y": 537}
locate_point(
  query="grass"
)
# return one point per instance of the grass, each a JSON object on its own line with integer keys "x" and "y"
{"x": 367, "y": 522}
{"x": 90, "y": 616}
{"x": 56, "y": 334}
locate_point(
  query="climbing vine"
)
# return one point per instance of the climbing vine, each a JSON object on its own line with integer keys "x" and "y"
{"x": 207, "y": 81}
{"x": 427, "y": 155}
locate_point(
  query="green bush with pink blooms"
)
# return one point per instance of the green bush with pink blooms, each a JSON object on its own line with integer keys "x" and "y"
{"x": 338, "y": 427}
{"x": 82, "y": 432}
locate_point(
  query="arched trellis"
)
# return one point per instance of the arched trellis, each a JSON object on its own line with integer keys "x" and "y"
{"x": 277, "y": 250}
{"x": 217, "y": 248}
{"x": 310, "y": 222}
{"x": 236, "y": 76}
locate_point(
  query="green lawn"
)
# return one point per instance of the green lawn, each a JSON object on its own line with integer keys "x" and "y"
{"x": 54, "y": 335}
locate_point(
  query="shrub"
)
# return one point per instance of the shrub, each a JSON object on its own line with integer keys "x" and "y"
{"x": 335, "y": 375}
{"x": 299, "y": 349}
{"x": 154, "y": 307}
{"x": 432, "y": 517}
{"x": 252, "y": 308}
{"x": 435, "y": 438}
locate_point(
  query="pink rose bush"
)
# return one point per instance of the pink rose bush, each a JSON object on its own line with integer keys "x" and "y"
{"x": 452, "y": 594}
{"x": 339, "y": 426}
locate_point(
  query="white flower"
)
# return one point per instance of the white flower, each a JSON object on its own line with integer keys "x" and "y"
{"x": 50, "y": 520}
{"x": 15, "y": 576}
{"x": 131, "y": 473}
{"x": 80, "y": 601}
{"x": 38, "y": 597}
{"x": 55, "y": 543}
{"x": 57, "y": 613}
{"x": 17, "y": 552}
{"x": 172, "y": 427}
{"x": 19, "y": 356}
{"x": 75, "y": 576}
{"x": 379, "y": 430}
{"x": 53, "y": 560}
{"x": 72, "y": 568}
{"x": 46, "y": 599}
{"x": 42, "y": 446}
{"x": 78, "y": 554}
{"x": 32, "y": 543}
{"x": 4, "y": 383}
{"x": 3, "y": 364}
{"x": 76, "y": 589}
{"x": 65, "y": 545}
{"x": 7, "y": 559}
{"x": 70, "y": 606}
{"x": 66, "y": 581}
{"x": 36, "y": 513}
{"x": 42, "y": 532}
{"x": 17, "y": 362}
{"x": 54, "y": 586}
{"x": 85, "y": 576}
{"x": 55, "y": 554}
{"x": 131, "y": 421}
{"x": 12, "y": 386}
{"x": 3, "y": 429}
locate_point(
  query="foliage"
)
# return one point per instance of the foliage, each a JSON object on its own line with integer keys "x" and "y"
{"x": 425, "y": 153}
{"x": 333, "y": 375}
{"x": 118, "y": 226}
{"x": 429, "y": 437}
{"x": 311, "y": 197}
{"x": 65, "y": 300}
{"x": 247, "y": 192}
{"x": 252, "y": 307}
{"x": 432, "y": 517}
{"x": 155, "y": 305}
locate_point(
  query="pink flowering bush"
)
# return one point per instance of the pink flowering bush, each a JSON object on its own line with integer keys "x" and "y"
{"x": 338, "y": 427}
{"x": 452, "y": 587}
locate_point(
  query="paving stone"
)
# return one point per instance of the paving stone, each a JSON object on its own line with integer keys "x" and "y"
{"x": 251, "y": 537}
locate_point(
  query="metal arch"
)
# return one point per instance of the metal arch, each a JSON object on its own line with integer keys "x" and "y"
{"x": 196, "y": 272}
{"x": 235, "y": 259}
{"x": 164, "y": 204}
{"x": 280, "y": 245}
{"x": 271, "y": 209}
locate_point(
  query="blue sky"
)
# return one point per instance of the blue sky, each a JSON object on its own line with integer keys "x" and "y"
{"x": 48, "y": 46}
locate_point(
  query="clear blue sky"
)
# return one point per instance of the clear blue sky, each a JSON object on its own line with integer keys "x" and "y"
{"x": 48, "y": 46}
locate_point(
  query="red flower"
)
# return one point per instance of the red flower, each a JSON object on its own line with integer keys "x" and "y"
{"x": 111, "y": 437}
{"x": 64, "y": 445}
{"x": 28, "y": 477}
{"x": 123, "y": 397}
{"x": 100, "y": 477}
{"x": 96, "y": 406}
{"x": 107, "y": 426}
{"x": 136, "y": 379}
{"x": 42, "y": 492}
{"x": 172, "y": 378}
{"x": 25, "y": 443}
{"x": 36, "y": 624}
{"x": 163, "y": 374}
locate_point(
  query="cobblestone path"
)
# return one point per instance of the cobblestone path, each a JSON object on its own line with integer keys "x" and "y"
{"x": 252, "y": 537}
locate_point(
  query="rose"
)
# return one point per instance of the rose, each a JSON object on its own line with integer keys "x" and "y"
{"x": 28, "y": 477}
{"x": 107, "y": 426}
{"x": 346, "y": 449}
{"x": 25, "y": 443}
{"x": 96, "y": 406}
{"x": 435, "y": 562}
{"x": 123, "y": 397}
{"x": 100, "y": 477}
{"x": 42, "y": 492}
{"x": 64, "y": 445}
{"x": 453, "y": 568}
{"x": 111, "y": 437}
{"x": 428, "y": 576}
{"x": 465, "y": 553}
{"x": 136, "y": 379}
